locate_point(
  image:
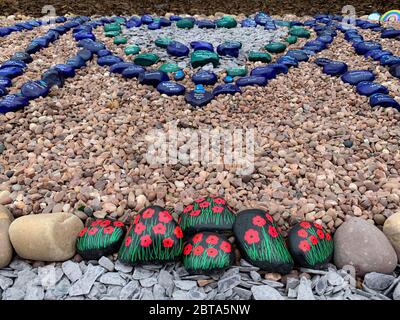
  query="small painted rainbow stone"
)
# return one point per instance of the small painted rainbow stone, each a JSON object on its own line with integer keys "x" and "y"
{"x": 101, "y": 238}
{"x": 207, "y": 214}
{"x": 260, "y": 241}
{"x": 206, "y": 252}
{"x": 310, "y": 245}
{"x": 153, "y": 237}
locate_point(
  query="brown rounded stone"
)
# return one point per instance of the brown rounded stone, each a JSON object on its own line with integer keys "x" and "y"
{"x": 6, "y": 250}
{"x": 391, "y": 229}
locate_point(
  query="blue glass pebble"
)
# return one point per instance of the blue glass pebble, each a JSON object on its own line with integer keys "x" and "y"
{"x": 179, "y": 75}
{"x": 248, "y": 23}
{"x": 91, "y": 45}
{"x": 322, "y": 61}
{"x": 154, "y": 26}
{"x": 147, "y": 19}
{"x": 13, "y": 63}
{"x": 3, "y": 91}
{"x": 377, "y": 54}
{"x": 199, "y": 88}
{"x": 133, "y": 22}
{"x": 103, "y": 52}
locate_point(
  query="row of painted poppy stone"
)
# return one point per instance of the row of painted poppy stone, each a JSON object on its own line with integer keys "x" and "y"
{"x": 199, "y": 238}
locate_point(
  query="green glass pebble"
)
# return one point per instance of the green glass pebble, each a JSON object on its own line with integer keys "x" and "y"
{"x": 131, "y": 49}
{"x": 291, "y": 39}
{"x": 111, "y": 34}
{"x": 300, "y": 32}
{"x": 120, "y": 40}
{"x": 226, "y": 22}
{"x": 237, "y": 72}
{"x": 146, "y": 59}
{"x": 275, "y": 47}
{"x": 185, "y": 24}
{"x": 200, "y": 58}
{"x": 163, "y": 42}
{"x": 259, "y": 56}
{"x": 169, "y": 67}
{"x": 112, "y": 27}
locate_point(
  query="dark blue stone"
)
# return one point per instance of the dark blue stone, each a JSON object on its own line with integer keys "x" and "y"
{"x": 248, "y": 23}
{"x": 335, "y": 68}
{"x": 91, "y": 45}
{"x": 84, "y": 35}
{"x": 5, "y": 82}
{"x": 85, "y": 54}
{"x": 34, "y": 89}
{"x": 23, "y": 56}
{"x": 378, "y": 54}
{"x": 164, "y": 22}
{"x": 201, "y": 45}
{"x": 288, "y": 61}
{"x": 383, "y": 100}
{"x": 152, "y": 78}
{"x": 147, "y": 19}
{"x": 13, "y": 63}
{"x": 389, "y": 60}
{"x": 12, "y": 103}
{"x": 33, "y": 47}
{"x": 85, "y": 29}
{"x": 120, "y": 67}
{"x": 66, "y": 70}
{"x": 322, "y": 61}
{"x": 59, "y": 29}
{"x": 104, "y": 52}
{"x": 198, "y": 99}
{"x": 171, "y": 88}
{"x": 270, "y": 26}
{"x": 154, "y": 26}
{"x": 133, "y": 71}
{"x": 367, "y": 88}
{"x": 3, "y": 91}
{"x": 52, "y": 35}
{"x": 357, "y": 76}
{"x": 390, "y": 33}
{"x": 204, "y": 77}
{"x": 179, "y": 75}
{"x": 229, "y": 48}
{"x": 11, "y": 72}
{"x": 60, "y": 19}
{"x": 4, "y": 31}
{"x": 364, "y": 47}
{"x": 299, "y": 55}
{"x": 251, "y": 81}
{"x": 43, "y": 41}
{"x": 177, "y": 49}
{"x": 133, "y": 22}
{"x": 175, "y": 18}
{"x": 315, "y": 45}
{"x": 76, "y": 62}
{"x": 310, "y": 23}
{"x": 108, "y": 60}
{"x": 395, "y": 70}
{"x": 53, "y": 77}
{"x": 279, "y": 68}
{"x": 261, "y": 19}
{"x": 228, "y": 88}
{"x": 266, "y": 72}
{"x": 206, "y": 24}
{"x": 325, "y": 39}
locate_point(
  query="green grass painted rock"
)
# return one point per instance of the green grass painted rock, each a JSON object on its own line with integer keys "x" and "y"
{"x": 291, "y": 39}
{"x": 200, "y": 58}
{"x": 226, "y": 22}
{"x": 112, "y": 27}
{"x": 169, "y": 67}
{"x": 259, "y": 56}
{"x": 300, "y": 32}
{"x": 237, "y": 72}
{"x": 131, "y": 49}
{"x": 120, "y": 40}
{"x": 185, "y": 24}
{"x": 146, "y": 59}
{"x": 311, "y": 245}
{"x": 111, "y": 34}
{"x": 101, "y": 238}
{"x": 163, "y": 42}
{"x": 260, "y": 241}
{"x": 207, "y": 214}
{"x": 275, "y": 47}
{"x": 153, "y": 237}
{"x": 207, "y": 252}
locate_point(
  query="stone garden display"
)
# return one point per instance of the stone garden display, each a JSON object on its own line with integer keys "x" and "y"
{"x": 207, "y": 214}
{"x": 310, "y": 244}
{"x": 260, "y": 242}
{"x": 207, "y": 252}
{"x": 6, "y": 250}
{"x": 101, "y": 238}
{"x": 153, "y": 237}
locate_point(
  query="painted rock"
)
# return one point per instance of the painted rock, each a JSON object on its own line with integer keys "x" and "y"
{"x": 153, "y": 237}
{"x": 259, "y": 56}
{"x": 177, "y": 49}
{"x": 154, "y": 25}
{"x": 91, "y": 45}
{"x": 103, "y": 53}
{"x": 322, "y": 61}
{"x": 310, "y": 245}
{"x": 383, "y": 100}
{"x": 11, "y": 72}
{"x": 378, "y": 54}
{"x": 237, "y": 71}
{"x": 300, "y": 32}
{"x": 23, "y": 56}
{"x": 53, "y": 77}
{"x": 108, "y": 60}
{"x": 185, "y": 23}
{"x": 34, "y": 47}
{"x": 226, "y": 22}
{"x": 133, "y": 22}
{"x": 12, "y": 103}
{"x": 288, "y": 61}
{"x": 251, "y": 81}
{"x": 175, "y": 18}
{"x": 200, "y": 58}
{"x": 170, "y": 88}
{"x": 85, "y": 54}
{"x": 356, "y": 76}
{"x": 325, "y": 39}
{"x": 335, "y": 68}
{"x": 169, "y": 67}
{"x": 179, "y": 75}
{"x": 261, "y": 18}
{"x": 206, "y": 24}
{"x": 146, "y": 19}
{"x": 146, "y": 59}
{"x": 315, "y": 45}
{"x": 35, "y": 89}
{"x": 390, "y": 34}
{"x": 112, "y": 27}
{"x": 163, "y": 42}
{"x": 228, "y": 88}
{"x": 84, "y": 35}
{"x": 202, "y": 45}
{"x": 164, "y": 22}
{"x": 120, "y": 40}
{"x": 3, "y": 91}
{"x": 120, "y": 67}
{"x": 367, "y": 88}
{"x": 13, "y": 63}
{"x": 279, "y": 68}
{"x": 266, "y": 72}
{"x": 131, "y": 49}
{"x": 299, "y": 55}
{"x": 207, "y": 252}
{"x": 152, "y": 78}
{"x": 101, "y": 238}
{"x": 229, "y": 48}
{"x": 207, "y": 214}
{"x": 204, "y": 77}
{"x": 364, "y": 47}
{"x": 76, "y": 62}
{"x": 112, "y": 34}
{"x": 395, "y": 70}
{"x": 198, "y": 99}
{"x": 66, "y": 70}
{"x": 133, "y": 72}
{"x": 388, "y": 60}
{"x": 260, "y": 241}
{"x": 5, "y": 82}
{"x": 248, "y": 23}
{"x": 275, "y": 47}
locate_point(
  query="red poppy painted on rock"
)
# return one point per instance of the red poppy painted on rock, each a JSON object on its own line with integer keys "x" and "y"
{"x": 168, "y": 243}
{"x": 328, "y": 237}
{"x": 118, "y": 224}
{"x": 313, "y": 240}
{"x": 108, "y": 230}
{"x": 320, "y": 234}
{"x": 197, "y": 238}
{"x": 92, "y": 231}
{"x": 302, "y": 233}
{"x": 187, "y": 249}
{"x": 219, "y": 201}
{"x": 195, "y": 213}
{"x": 188, "y": 209}
{"x": 105, "y": 223}
{"x": 304, "y": 246}
{"x": 136, "y": 219}
{"x": 159, "y": 228}
{"x": 212, "y": 252}
{"x": 164, "y": 216}
{"x": 95, "y": 223}
{"x": 317, "y": 225}
{"x": 200, "y": 200}
{"x": 178, "y": 232}
{"x": 259, "y": 221}
{"x": 139, "y": 228}
{"x": 225, "y": 246}
{"x": 83, "y": 231}
{"x": 212, "y": 239}
{"x": 128, "y": 241}
{"x": 305, "y": 224}
{"x": 198, "y": 250}
{"x": 145, "y": 241}
{"x": 204, "y": 204}
{"x": 148, "y": 213}
{"x": 217, "y": 209}
{"x": 251, "y": 236}
{"x": 269, "y": 217}
{"x": 272, "y": 232}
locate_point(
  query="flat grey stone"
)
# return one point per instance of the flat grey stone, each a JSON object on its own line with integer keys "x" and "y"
{"x": 321, "y": 285}
{"x": 378, "y": 281}
{"x": 13, "y": 294}
{"x": 304, "y": 291}
{"x": 49, "y": 276}
{"x": 292, "y": 293}
{"x": 5, "y": 282}
{"x": 114, "y": 291}
{"x": 112, "y": 278}
{"x": 24, "y": 278}
{"x": 265, "y": 292}
{"x": 159, "y": 292}
{"x": 8, "y": 273}
{"x": 62, "y": 287}
{"x": 312, "y": 271}
{"x": 255, "y": 276}
{"x": 34, "y": 293}
{"x": 396, "y": 292}
{"x": 147, "y": 294}
{"x": 197, "y": 294}
{"x": 130, "y": 290}
{"x": 106, "y": 263}
{"x": 243, "y": 293}
{"x": 334, "y": 278}
{"x": 181, "y": 295}
{"x": 292, "y": 283}
{"x": 211, "y": 295}
{"x": 224, "y": 284}
{"x": 122, "y": 267}
{"x": 185, "y": 284}
{"x": 273, "y": 284}
{"x": 141, "y": 273}
{"x": 19, "y": 265}
{"x": 149, "y": 282}
{"x": 84, "y": 284}
{"x": 98, "y": 289}
{"x": 72, "y": 270}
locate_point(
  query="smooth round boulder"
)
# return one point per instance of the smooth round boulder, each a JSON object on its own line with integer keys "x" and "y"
{"x": 364, "y": 246}
{"x": 45, "y": 237}
{"x": 6, "y": 249}
{"x": 391, "y": 229}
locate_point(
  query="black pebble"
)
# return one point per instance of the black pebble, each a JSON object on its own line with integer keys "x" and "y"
{"x": 348, "y": 143}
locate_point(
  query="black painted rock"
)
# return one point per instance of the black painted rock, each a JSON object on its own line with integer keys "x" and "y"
{"x": 133, "y": 71}
{"x": 66, "y": 70}
{"x": 177, "y": 49}
{"x": 251, "y": 81}
{"x": 108, "y": 60}
{"x": 102, "y": 238}
{"x": 207, "y": 214}
{"x": 207, "y": 252}
{"x": 204, "y": 77}
{"x": 260, "y": 241}
{"x": 228, "y": 88}
{"x": 395, "y": 70}
{"x": 367, "y": 88}
{"x": 335, "y": 68}
{"x": 12, "y": 103}
{"x": 266, "y": 72}
{"x": 383, "y": 100}
{"x": 388, "y": 60}
{"x": 5, "y": 82}
{"x": 153, "y": 237}
{"x": 11, "y": 72}
{"x": 202, "y": 45}
{"x": 53, "y": 77}
{"x": 23, "y": 56}
{"x": 35, "y": 89}
{"x": 198, "y": 99}
{"x": 170, "y": 88}
{"x": 152, "y": 78}
{"x": 356, "y": 76}
{"x": 311, "y": 245}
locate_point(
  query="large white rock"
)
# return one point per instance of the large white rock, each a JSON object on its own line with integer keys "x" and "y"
{"x": 6, "y": 249}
